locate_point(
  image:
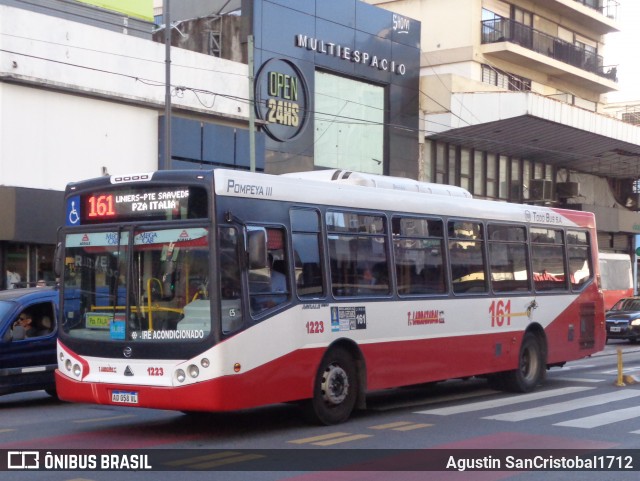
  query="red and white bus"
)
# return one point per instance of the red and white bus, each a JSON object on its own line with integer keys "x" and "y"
{"x": 616, "y": 277}
{"x": 222, "y": 290}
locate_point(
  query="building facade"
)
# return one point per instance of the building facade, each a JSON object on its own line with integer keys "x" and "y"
{"x": 514, "y": 106}
{"x": 84, "y": 91}
{"x": 82, "y": 94}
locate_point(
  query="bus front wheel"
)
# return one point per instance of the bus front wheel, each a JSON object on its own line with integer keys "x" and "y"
{"x": 335, "y": 388}
{"x": 531, "y": 366}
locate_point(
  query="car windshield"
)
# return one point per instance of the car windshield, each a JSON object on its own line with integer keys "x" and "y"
{"x": 5, "y": 307}
{"x": 627, "y": 305}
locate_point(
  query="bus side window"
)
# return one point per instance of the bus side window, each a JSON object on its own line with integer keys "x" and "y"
{"x": 466, "y": 251}
{"x": 269, "y": 286}
{"x": 547, "y": 259}
{"x": 508, "y": 258}
{"x": 309, "y": 278}
{"x": 358, "y": 254}
{"x": 418, "y": 246}
{"x": 579, "y": 258}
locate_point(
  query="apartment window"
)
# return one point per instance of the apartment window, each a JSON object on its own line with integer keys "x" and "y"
{"x": 507, "y": 81}
{"x": 522, "y": 16}
{"x": 526, "y": 177}
{"x": 453, "y": 165}
{"x": 465, "y": 168}
{"x": 515, "y": 195}
{"x": 492, "y": 176}
{"x": 429, "y": 149}
{"x": 503, "y": 165}
{"x": 538, "y": 170}
{"x": 441, "y": 167}
{"x": 479, "y": 173}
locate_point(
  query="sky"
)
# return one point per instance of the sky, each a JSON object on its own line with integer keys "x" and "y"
{"x": 623, "y": 49}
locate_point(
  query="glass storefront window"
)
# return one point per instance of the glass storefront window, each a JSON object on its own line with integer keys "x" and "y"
{"x": 26, "y": 264}
{"x": 349, "y": 121}
{"x": 17, "y": 265}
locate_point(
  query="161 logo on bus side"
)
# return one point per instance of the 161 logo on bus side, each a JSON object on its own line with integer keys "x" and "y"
{"x": 500, "y": 313}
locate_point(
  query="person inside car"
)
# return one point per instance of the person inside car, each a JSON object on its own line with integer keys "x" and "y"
{"x": 25, "y": 321}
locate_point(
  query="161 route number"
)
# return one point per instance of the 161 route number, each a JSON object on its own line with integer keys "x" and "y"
{"x": 500, "y": 313}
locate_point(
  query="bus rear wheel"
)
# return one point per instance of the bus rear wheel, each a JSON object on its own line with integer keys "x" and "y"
{"x": 335, "y": 388}
{"x": 531, "y": 367}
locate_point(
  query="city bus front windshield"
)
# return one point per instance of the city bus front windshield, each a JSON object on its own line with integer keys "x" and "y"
{"x": 147, "y": 285}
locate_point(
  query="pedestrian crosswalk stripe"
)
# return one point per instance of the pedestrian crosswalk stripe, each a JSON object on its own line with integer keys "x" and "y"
{"x": 562, "y": 407}
{"x": 346, "y": 439}
{"x": 391, "y": 425}
{"x": 330, "y": 439}
{"x": 314, "y": 439}
{"x": 577, "y": 379}
{"x": 598, "y": 420}
{"x": 401, "y": 426}
{"x": 411, "y": 427}
{"x": 504, "y": 401}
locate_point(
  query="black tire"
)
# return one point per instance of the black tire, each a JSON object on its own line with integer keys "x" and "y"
{"x": 531, "y": 367}
{"x": 335, "y": 388}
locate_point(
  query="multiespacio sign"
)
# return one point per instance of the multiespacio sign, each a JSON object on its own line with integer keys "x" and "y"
{"x": 350, "y": 54}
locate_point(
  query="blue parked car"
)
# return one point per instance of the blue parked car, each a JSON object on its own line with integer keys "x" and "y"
{"x": 28, "y": 348}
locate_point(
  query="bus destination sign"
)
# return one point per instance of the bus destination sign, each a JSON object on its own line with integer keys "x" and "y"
{"x": 148, "y": 203}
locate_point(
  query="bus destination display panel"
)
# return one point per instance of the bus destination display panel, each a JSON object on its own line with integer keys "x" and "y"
{"x": 138, "y": 203}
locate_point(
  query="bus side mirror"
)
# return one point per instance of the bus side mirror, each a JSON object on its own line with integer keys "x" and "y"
{"x": 257, "y": 247}
{"x": 58, "y": 260}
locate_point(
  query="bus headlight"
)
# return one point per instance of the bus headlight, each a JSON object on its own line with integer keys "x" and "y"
{"x": 204, "y": 362}
{"x": 67, "y": 365}
{"x": 180, "y": 375}
{"x": 76, "y": 370}
{"x": 193, "y": 371}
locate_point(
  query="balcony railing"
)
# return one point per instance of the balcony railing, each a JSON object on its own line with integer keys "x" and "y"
{"x": 506, "y": 30}
{"x": 608, "y": 8}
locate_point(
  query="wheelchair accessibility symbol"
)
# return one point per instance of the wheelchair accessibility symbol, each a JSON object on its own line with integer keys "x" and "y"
{"x": 73, "y": 217}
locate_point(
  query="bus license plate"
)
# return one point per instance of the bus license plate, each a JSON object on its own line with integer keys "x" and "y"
{"x": 129, "y": 397}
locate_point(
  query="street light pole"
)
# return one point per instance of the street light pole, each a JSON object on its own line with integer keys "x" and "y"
{"x": 166, "y": 164}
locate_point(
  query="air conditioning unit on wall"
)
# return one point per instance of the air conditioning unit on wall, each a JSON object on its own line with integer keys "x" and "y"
{"x": 567, "y": 190}
{"x": 540, "y": 189}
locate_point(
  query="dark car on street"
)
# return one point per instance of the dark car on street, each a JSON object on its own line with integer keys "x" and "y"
{"x": 623, "y": 319}
{"x": 28, "y": 356}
